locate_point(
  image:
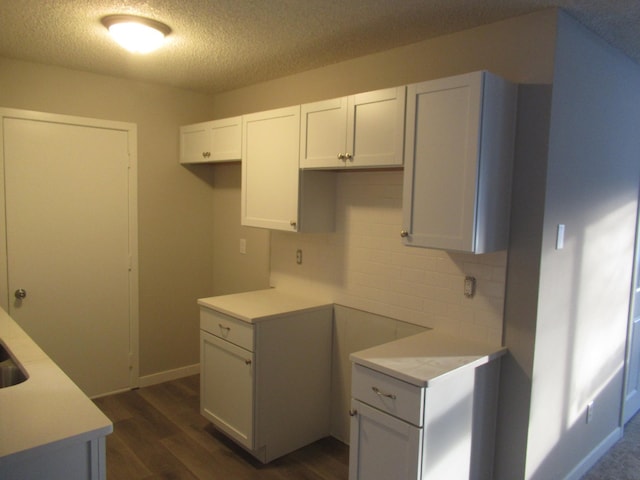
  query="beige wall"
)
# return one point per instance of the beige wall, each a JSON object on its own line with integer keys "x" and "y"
{"x": 175, "y": 203}
{"x": 520, "y": 49}
{"x": 234, "y": 271}
{"x": 593, "y": 175}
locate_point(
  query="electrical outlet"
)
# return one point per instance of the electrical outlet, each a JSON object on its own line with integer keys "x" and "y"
{"x": 590, "y": 411}
{"x": 243, "y": 245}
{"x": 469, "y": 287}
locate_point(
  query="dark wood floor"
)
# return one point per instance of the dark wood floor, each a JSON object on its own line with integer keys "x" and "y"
{"x": 159, "y": 433}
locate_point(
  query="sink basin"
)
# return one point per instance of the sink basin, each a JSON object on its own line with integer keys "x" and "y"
{"x": 10, "y": 372}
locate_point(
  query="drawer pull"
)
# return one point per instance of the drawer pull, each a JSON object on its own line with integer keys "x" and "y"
{"x": 353, "y": 412}
{"x": 247, "y": 361}
{"x": 382, "y": 394}
{"x": 222, "y": 327}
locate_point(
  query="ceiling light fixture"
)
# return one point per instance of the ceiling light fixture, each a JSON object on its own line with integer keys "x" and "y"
{"x": 136, "y": 34}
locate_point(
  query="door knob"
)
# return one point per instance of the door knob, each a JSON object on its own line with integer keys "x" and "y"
{"x": 20, "y": 293}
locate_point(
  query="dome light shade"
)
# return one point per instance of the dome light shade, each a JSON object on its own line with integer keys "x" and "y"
{"x": 136, "y": 34}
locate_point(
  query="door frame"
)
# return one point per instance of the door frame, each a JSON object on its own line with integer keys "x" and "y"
{"x": 625, "y": 415}
{"x": 132, "y": 135}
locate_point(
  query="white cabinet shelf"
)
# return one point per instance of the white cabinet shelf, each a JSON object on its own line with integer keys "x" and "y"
{"x": 275, "y": 193}
{"x": 209, "y": 142}
{"x": 359, "y": 131}
{"x": 266, "y": 370}
{"x": 458, "y": 159}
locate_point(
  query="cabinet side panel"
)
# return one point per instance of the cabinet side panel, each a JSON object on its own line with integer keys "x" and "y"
{"x": 317, "y": 210}
{"x": 448, "y": 426}
{"x": 293, "y": 379}
{"x": 496, "y": 164}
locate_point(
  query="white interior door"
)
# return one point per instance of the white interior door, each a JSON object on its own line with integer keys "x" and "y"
{"x": 71, "y": 244}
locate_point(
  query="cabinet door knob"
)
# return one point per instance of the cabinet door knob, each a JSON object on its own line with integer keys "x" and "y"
{"x": 293, "y": 223}
{"x": 353, "y": 412}
{"x": 404, "y": 234}
{"x": 348, "y": 156}
{"x": 341, "y": 156}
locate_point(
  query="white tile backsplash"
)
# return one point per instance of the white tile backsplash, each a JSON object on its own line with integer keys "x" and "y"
{"x": 364, "y": 264}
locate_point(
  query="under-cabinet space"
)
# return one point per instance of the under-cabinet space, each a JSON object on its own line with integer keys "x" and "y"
{"x": 214, "y": 141}
{"x": 459, "y": 146}
{"x": 358, "y": 131}
{"x": 275, "y": 193}
{"x": 269, "y": 393}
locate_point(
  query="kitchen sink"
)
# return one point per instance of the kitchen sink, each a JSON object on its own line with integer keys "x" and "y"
{"x": 10, "y": 372}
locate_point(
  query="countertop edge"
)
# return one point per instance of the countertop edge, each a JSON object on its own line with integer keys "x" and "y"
{"x": 263, "y": 305}
{"x": 462, "y": 354}
{"x": 52, "y": 407}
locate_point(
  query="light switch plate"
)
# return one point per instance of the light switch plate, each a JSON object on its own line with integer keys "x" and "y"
{"x": 560, "y": 237}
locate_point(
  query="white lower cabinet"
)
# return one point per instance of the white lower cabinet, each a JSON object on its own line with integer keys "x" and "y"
{"x": 423, "y": 416}
{"x": 265, "y": 370}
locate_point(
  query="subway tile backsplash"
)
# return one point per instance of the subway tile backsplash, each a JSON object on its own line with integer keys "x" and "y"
{"x": 364, "y": 264}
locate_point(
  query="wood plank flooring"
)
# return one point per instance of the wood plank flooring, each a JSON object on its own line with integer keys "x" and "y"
{"x": 160, "y": 434}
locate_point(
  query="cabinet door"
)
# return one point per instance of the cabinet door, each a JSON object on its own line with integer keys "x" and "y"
{"x": 226, "y": 139}
{"x": 270, "y": 174}
{"x": 195, "y": 143}
{"x": 375, "y": 128}
{"x": 459, "y": 151}
{"x": 323, "y": 134}
{"x": 226, "y": 387}
{"x": 215, "y": 141}
{"x": 441, "y": 165}
{"x": 382, "y": 447}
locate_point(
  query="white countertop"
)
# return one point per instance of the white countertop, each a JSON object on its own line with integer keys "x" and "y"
{"x": 424, "y": 358}
{"x": 47, "y": 410}
{"x": 261, "y": 304}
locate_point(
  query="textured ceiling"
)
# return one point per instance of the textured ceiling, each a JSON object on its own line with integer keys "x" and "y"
{"x": 219, "y": 45}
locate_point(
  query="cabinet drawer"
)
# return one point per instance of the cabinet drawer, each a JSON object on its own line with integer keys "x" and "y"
{"x": 223, "y": 326}
{"x": 388, "y": 394}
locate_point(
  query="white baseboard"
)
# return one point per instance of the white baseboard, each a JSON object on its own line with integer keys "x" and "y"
{"x": 591, "y": 459}
{"x": 168, "y": 375}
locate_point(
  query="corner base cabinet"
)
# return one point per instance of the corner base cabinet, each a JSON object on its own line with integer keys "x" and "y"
{"x": 265, "y": 360}
{"x": 431, "y": 419}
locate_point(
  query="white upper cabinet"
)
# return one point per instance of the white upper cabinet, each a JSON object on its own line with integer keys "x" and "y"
{"x": 214, "y": 141}
{"x": 459, "y": 145}
{"x": 275, "y": 193}
{"x": 359, "y": 131}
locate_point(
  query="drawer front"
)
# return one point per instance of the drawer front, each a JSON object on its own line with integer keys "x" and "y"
{"x": 388, "y": 394}
{"x": 228, "y": 328}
